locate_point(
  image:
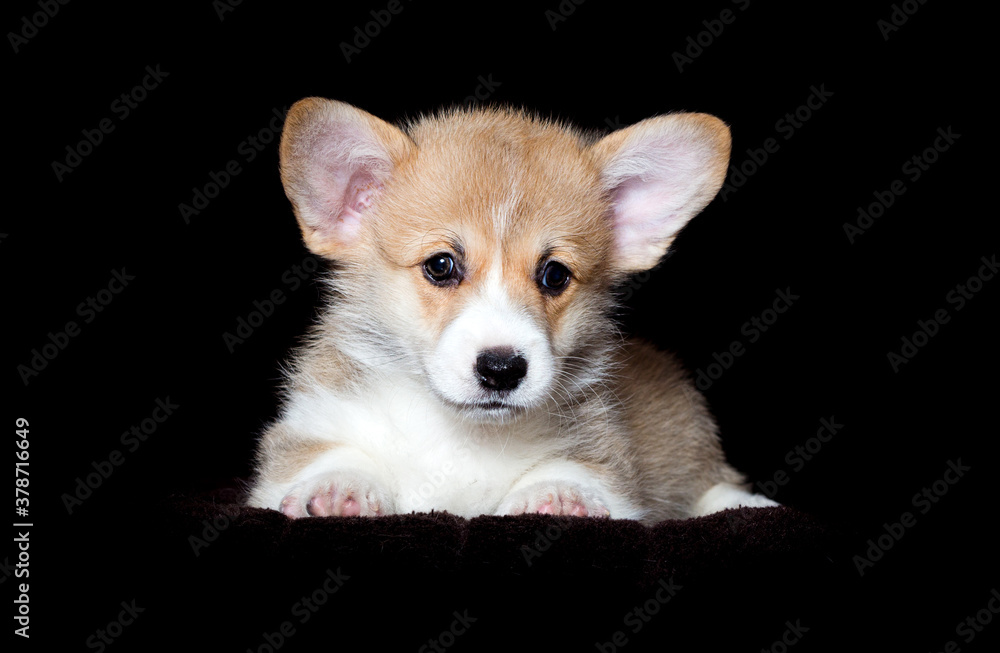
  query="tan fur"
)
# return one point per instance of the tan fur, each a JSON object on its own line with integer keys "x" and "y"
{"x": 636, "y": 419}
{"x": 285, "y": 453}
{"x": 674, "y": 434}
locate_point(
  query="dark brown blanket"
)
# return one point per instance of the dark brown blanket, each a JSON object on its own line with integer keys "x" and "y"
{"x": 255, "y": 580}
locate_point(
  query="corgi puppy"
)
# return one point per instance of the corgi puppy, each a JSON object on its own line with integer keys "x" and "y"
{"x": 467, "y": 360}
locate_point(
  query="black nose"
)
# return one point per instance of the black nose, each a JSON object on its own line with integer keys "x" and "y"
{"x": 500, "y": 369}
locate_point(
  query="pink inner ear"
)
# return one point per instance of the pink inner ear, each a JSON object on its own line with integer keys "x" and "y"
{"x": 363, "y": 192}
{"x": 344, "y": 164}
{"x": 358, "y": 196}
{"x": 346, "y": 202}
{"x": 642, "y": 213}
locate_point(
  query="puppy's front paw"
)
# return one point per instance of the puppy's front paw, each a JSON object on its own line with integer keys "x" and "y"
{"x": 341, "y": 494}
{"x": 554, "y": 498}
{"x": 726, "y": 495}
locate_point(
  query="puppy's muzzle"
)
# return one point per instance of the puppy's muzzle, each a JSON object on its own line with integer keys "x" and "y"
{"x": 500, "y": 369}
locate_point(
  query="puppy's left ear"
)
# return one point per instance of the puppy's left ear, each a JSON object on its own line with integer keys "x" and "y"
{"x": 335, "y": 160}
{"x": 660, "y": 173}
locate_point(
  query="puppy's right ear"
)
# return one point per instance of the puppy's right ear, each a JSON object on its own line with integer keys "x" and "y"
{"x": 659, "y": 174}
{"x": 335, "y": 160}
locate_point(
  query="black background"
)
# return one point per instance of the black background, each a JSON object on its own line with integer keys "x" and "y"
{"x": 606, "y": 63}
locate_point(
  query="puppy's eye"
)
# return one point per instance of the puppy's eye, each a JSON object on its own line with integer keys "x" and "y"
{"x": 440, "y": 268}
{"x": 554, "y": 277}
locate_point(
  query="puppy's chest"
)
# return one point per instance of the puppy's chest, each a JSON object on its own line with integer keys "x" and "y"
{"x": 429, "y": 458}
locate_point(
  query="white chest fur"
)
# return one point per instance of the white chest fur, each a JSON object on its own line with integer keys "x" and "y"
{"x": 426, "y": 458}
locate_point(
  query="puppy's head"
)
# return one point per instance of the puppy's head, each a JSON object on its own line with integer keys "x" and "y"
{"x": 477, "y": 249}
